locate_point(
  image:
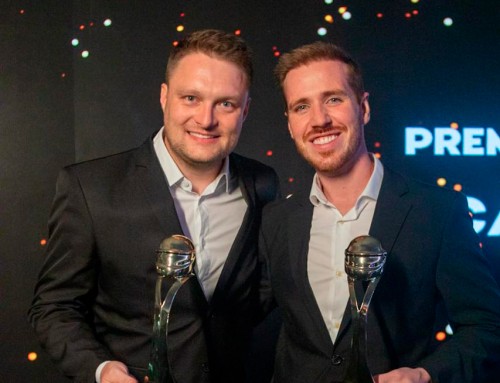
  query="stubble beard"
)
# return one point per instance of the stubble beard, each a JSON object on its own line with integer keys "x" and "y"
{"x": 334, "y": 162}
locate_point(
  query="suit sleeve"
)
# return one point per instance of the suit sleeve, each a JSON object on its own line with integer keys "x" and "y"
{"x": 61, "y": 308}
{"x": 472, "y": 300}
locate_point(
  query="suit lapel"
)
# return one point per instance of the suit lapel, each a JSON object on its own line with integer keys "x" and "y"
{"x": 388, "y": 219}
{"x": 153, "y": 182}
{"x": 299, "y": 223}
{"x": 247, "y": 185}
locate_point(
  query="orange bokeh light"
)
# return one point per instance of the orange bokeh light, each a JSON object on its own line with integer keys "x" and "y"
{"x": 32, "y": 356}
{"x": 440, "y": 336}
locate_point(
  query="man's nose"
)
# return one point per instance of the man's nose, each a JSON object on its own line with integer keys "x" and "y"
{"x": 205, "y": 116}
{"x": 320, "y": 116}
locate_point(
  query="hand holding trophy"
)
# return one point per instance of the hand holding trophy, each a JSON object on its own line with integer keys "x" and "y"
{"x": 176, "y": 257}
{"x": 364, "y": 262}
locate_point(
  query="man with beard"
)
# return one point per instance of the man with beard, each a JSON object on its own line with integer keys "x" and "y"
{"x": 94, "y": 301}
{"x": 434, "y": 257}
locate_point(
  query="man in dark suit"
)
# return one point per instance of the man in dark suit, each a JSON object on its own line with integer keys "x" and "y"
{"x": 434, "y": 256}
{"x": 94, "y": 301}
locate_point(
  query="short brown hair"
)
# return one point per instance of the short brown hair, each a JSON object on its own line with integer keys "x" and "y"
{"x": 320, "y": 51}
{"x": 214, "y": 43}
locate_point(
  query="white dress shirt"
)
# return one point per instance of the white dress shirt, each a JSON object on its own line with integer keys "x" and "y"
{"x": 211, "y": 219}
{"x": 331, "y": 234}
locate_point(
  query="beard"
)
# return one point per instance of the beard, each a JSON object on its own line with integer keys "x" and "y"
{"x": 334, "y": 162}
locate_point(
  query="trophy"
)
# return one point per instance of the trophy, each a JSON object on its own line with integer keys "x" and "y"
{"x": 176, "y": 257}
{"x": 364, "y": 262}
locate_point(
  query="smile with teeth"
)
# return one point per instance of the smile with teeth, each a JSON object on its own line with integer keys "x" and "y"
{"x": 325, "y": 139}
{"x": 200, "y": 135}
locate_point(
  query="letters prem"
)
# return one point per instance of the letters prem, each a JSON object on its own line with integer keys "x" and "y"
{"x": 469, "y": 141}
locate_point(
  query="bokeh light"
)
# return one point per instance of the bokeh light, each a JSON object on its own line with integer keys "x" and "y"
{"x": 454, "y": 125}
{"x": 75, "y": 42}
{"x": 441, "y": 181}
{"x": 85, "y": 54}
{"x": 457, "y": 187}
{"x": 321, "y": 31}
{"x": 43, "y": 242}
{"x": 328, "y": 1}
{"x": 415, "y": 1}
{"x": 440, "y": 336}
{"x": 32, "y": 356}
{"x": 448, "y": 21}
{"x": 380, "y": 15}
{"x": 107, "y": 22}
{"x": 346, "y": 15}
{"x": 342, "y": 10}
{"x": 269, "y": 153}
{"x": 448, "y": 329}
{"x": 329, "y": 19}
{"x": 180, "y": 28}
{"x": 378, "y": 155}
{"x": 237, "y": 32}
{"x": 291, "y": 179}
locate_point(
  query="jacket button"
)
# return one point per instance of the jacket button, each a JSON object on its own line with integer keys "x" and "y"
{"x": 205, "y": 367}
{"x": 337, "y": 360}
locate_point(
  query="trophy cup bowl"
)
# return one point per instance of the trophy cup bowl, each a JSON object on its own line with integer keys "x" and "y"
{"x": 175, "y": 257}
{"x": 364, "y": 258}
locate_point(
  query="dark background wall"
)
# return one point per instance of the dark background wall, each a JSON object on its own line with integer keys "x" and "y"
{"x": 57, "y": 107}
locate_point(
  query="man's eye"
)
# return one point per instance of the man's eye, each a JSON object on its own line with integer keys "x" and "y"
{"x": 334, "y": 100}
{"x": 300, "y": 108}
{"x": 227, "y": 104}
{"x": 189, "y": 98}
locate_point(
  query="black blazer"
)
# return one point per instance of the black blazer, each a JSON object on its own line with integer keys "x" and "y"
{"x": 433, "y": 257}
{"x": 94, "y": 300}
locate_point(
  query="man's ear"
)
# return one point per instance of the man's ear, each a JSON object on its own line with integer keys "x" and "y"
{"x": 247, "y": 108}
{"x": 365, "y": 108}
{"x": 163, "y": 95}
{"x": 289, "y": 129}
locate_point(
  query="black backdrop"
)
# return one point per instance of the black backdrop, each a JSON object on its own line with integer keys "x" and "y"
{"x": 57, "y": 107}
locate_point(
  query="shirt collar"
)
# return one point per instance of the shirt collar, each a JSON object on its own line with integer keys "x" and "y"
{"x": 370, "y": 191}
{"x": 173, "y": 173}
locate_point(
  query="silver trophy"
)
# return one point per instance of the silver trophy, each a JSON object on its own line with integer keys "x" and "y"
{"x": 364, "y": 262}
{"x": 175, "y": 259}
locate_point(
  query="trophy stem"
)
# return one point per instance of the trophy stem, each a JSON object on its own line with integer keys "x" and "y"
{"x": 357, "y": 370}
{"x": 159, "y": 367}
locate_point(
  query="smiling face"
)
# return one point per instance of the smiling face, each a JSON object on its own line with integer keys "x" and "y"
{"x": 204, "y": 106}
{"x": 325, "y": 118}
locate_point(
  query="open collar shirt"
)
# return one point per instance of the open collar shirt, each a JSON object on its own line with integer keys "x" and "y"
{"x": 211, "y": 219}
{"x": 331, "y": 234}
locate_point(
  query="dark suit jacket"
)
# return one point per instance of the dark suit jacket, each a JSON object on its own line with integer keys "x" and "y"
{"x": 433, "y": 257}
{"x": 95, "y": 295}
